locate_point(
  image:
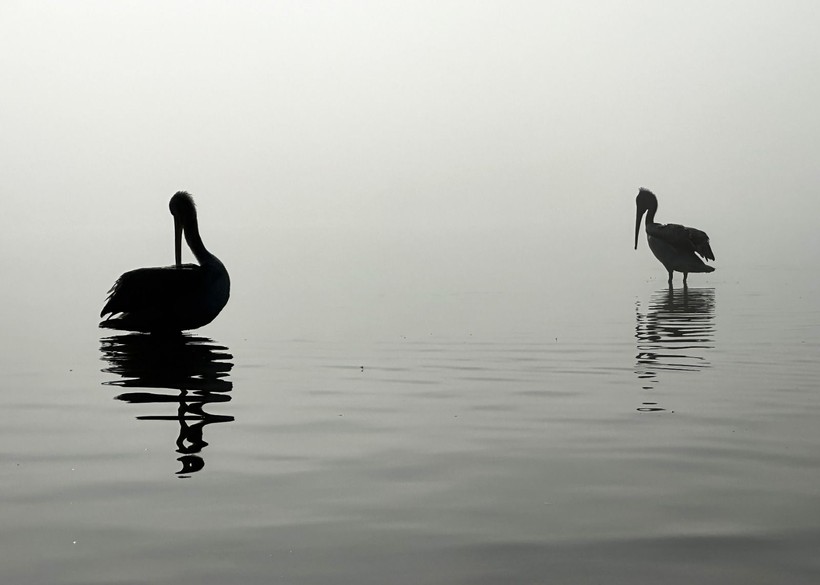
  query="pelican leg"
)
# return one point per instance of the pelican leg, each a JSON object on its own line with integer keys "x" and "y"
{"x": 685, "y": 274}
{"x": 670, "y": 277}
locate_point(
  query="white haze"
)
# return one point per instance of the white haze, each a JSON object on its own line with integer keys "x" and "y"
{"x": 379, "y": 115}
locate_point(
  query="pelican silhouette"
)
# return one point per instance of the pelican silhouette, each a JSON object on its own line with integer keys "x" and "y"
{"x": 676, "y": 246}
{"x": 171, "y": 298}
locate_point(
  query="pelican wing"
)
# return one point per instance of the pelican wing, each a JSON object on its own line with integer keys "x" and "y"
{"x": 684, "y": 238}
{"x": 148, "y": 288}
{"x": 152, "y": 299}
{"x": 700, "y": 241}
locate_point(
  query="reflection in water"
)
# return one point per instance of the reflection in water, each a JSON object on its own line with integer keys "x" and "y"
{"x": 674, "y": 334}
{"x": 193, "y": 367}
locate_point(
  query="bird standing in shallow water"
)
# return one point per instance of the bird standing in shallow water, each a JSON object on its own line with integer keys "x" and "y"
{"x": 676, "y": 246}
{"x": 175, "y": 298}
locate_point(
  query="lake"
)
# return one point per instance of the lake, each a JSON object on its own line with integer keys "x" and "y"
{"x": 416, "y": 406}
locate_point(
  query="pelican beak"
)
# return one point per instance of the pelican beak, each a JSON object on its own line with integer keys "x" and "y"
{"x": 177, "y": 240}
{"x": 638, "y": 216}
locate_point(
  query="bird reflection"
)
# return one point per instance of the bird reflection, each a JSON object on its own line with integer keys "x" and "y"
{"x": 187, "y": 370}
{"x": 675, "y": 334}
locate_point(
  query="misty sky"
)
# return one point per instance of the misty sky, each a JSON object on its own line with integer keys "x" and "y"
{"x": 402, "y": 114}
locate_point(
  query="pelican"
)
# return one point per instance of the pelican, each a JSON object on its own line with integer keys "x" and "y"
{"x": 676, "y": 246}
{"x": 171, "y": 298}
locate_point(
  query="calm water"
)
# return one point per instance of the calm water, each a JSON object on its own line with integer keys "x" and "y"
{"x": 413, "y": 408}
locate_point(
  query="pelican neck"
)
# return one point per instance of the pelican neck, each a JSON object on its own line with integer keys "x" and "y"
{"x": 194, "y": 241}
{"x": 650, "y": 214}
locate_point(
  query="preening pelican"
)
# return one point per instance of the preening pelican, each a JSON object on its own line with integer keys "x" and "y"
{"x": 171, "y": 298}
{"x": 676, "y": 246}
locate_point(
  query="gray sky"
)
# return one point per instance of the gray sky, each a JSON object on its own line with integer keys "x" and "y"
{"x": 400, "y": 114}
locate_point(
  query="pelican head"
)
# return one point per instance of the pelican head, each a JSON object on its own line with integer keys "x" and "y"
{"x": 645, "y": 201}
{"x": 184, "y": 211}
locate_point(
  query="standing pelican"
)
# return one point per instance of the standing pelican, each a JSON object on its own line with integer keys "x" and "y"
{"x": 171, "y": 298}
{"x": 674, "y": 245}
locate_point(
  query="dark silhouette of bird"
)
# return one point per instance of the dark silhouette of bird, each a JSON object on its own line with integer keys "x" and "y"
{"x": 679, "y": 248}
{"x": 175, "y": 298}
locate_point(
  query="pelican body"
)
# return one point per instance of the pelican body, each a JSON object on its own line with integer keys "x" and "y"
{"x": 676, "y": 246}
{"x": 175, "y": 298}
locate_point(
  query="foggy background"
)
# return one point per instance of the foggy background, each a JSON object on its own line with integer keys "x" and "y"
{"x": 290, "y": 122}
{"x": 446, "y": 359}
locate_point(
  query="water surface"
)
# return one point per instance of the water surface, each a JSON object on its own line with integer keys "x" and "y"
{"x": 422, "y": 407}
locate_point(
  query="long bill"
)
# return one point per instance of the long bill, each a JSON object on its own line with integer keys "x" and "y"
{"x": 177, "y": 241}
{"x": 638, "y": 216}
